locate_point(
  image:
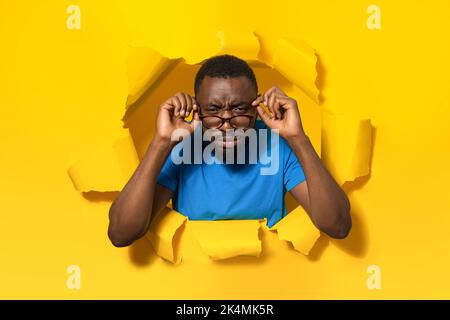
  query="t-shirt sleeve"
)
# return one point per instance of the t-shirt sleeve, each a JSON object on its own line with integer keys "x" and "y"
{"x": 168, "y": 177}
{"x": 293, "y": 171}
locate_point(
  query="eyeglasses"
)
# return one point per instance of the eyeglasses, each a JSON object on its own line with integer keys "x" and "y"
{"x": 236, "y": 122}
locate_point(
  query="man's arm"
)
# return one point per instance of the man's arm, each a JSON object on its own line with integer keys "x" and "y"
{"x": 142, "y": 197}
{"x": 323, "y": 199}
{"x": 320, "y": 195}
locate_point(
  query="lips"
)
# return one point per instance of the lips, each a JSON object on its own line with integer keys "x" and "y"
{"x": 227, "y": 142}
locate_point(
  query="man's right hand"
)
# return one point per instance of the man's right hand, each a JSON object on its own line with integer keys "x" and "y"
{"x": 171, "y": 115}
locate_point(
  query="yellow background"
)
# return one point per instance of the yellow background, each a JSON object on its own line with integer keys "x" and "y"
{"x": 63, "y": 94}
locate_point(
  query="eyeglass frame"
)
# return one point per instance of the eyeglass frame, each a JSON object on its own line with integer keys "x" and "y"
{"x": 201, "y": 117}
{"x": 225, "y": 120}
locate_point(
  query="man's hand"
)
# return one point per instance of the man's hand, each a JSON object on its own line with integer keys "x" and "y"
{"x": 171, "y": 115}
{"x": 284, "y": 113}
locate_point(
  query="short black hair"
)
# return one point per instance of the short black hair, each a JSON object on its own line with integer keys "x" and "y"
{"x": 224, "y": 66}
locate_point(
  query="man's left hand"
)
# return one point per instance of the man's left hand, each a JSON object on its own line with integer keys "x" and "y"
{"x": 284, "y": 114}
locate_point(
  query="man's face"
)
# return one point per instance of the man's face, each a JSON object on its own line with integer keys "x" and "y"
{"x": 226, "y": 98}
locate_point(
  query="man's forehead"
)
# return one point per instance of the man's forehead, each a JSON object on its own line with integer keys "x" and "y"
{"x": 237, "y": 89}
{"x": 230, "y": 100}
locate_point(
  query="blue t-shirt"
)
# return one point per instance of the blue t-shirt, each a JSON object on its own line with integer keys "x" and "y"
{"x": 221, "y": 191}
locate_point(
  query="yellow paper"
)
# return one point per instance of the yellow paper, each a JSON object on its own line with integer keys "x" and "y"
{"x": 298, "y": 229}
{"x": 296, "y": 61}
{"x": 107, "y": 169}
{"x": 346, "y": 146}
{"x": 144, "y": 67}
{"x": 163, "y": 234}
{"x": 243, "y": 45}
{"x": 224, "y": 239}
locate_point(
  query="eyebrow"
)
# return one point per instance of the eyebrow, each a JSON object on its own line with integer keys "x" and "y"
{"x": 216, "y": 103}
{"x": 241, "y": 103}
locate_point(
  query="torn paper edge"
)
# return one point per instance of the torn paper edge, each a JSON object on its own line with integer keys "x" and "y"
{"x": 358, "y": 135}
{"x": 298, "y": 229}
{"x": 207, "y": 235}
{"x": 163, "y": 233}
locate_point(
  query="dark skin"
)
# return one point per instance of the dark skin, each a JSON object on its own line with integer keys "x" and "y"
{"x": 322, "y": 198}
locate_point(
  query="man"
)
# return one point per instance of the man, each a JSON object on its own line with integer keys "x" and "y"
{"x": 226, "y": 99}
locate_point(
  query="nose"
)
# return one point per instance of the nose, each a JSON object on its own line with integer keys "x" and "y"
{"x": 226, "y": 125}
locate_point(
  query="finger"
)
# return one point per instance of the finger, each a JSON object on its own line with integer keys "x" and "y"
{"x": 271, "y": 103}
{"x": 258, "y": 100}
{"x": 196, "y": 116}
{"x": 168, "y": 105}
{"x": 177, "y": 104}
{"x": 195, "y": 120}
{"x": 277, "y": 107}
{"x": 182, "y": 98}
{"x": 267, "y": 95}
{"x": 278, "y": 91}
{"x": 264, "y": 116}
{"x": 188, "y": 105}
{"x": 286, "y": 102}
{"x": 195, "y": 104}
